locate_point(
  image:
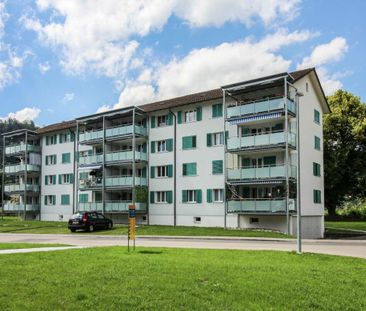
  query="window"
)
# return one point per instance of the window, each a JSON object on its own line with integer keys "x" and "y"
{"x": 316, "y": 116}
{"x": 65, "y": 199}
{"x": 66, "y": 158}
{"x": 66, "y": 137}
{"x": 51, "y": 140}
{"x": 162, "y": 120}
{"x": 191, "y": 196}
{"x": 64, "y": 179}
{"x": 161, "y": 197}
{"x": 316, "y": 169}
{"x": 217, "y": 167}
{"x": 50, "y": 179}
{"x": 51, "y": 159}
{"x": 162, "y": 146}
{"x": 215, "y": 195}
{"x": 189, "y": 142}
{"x": 161, "y": 171}
{"x": 316, "y": 142}
{"x": 197, "y": 220}
{"x": 83, "y": 198}
{"x": 317, "y": 196}
{"x": 191, "y": 115}
{"x": 49, "y": 199}
{"x": 189, "y": 169}
{"x": 253, "y": 220}
{"x": 215, "y": 139}
{"x": 217, "y": 110}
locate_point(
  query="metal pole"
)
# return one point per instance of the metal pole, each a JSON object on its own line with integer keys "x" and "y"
{"x": 103, "y": 169}
{"x": 298, "y": 199}
{"x": 133, "y": 159}
{"x": 3, "y": 181}
{"x": 175, "y": 169}
{"x": 25, "y": 174}
{"x": 76, "y": 177}
{"x": 73, "y": 170}
{"x": 225, "y": 156}
{"x": 286, "y": 157}
{"x": 147, "y": 168}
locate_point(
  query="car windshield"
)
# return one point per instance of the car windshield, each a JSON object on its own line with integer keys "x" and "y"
{"x": 77, "y": 216}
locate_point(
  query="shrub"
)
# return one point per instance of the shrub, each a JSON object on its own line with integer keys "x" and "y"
{"x": 353, "y": 208}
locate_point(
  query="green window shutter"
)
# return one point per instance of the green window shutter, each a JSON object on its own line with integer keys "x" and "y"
{"x": 316, "y": 169}
{"x": 46, "y": 160}
{"x": 209, "y": 140}
{"x": 179, "y": 117}
{"x": 143, "y": 172}
{"x": 46, "y": 180}
{"x": 245, "y": 162}
{"x": 316, "y": 116}
{"x": 214, "y": 111}
{"x": 193, "y": 168}
{"x": 184, "y": 196}
{"x": 316, "y": 142}
{"x": 59, "y": 179}
{"x": 47, "y": 142}
{"x": 152, "y": 172}
{"x": 152, "y": 147}
{"x": 198, "y": 196}
{"x": 66, "y": 158}
{"x": 170, "y": 170}
{"x": 209, "y": 195}
{"x": 317, "y": 196}
{"x": 72, "y": 137}
{"x": 184, "y": 168}
{"x": 169, "y": 144}
{"x": 217, "y": 167}
{"x": 169, "y": 196}
{"x": 186, "y": 142}
{"x": 45, "y": 200}
{"x": 199, "y": 113}
{"x": 169, "y": 120}
{"x": 226, "y": 136}
{"x": 219, "y": 110}
{"x": 83, "y": 198}
{"x": 65, "y": 199}
{"x": 152, "y": 197}
{"x": 152, "y": 122}
{"x": 270, "y": 160}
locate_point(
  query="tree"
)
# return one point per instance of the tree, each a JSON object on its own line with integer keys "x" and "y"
{"x": 344, "y": 149}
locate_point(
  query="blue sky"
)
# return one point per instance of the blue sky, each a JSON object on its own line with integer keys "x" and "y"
{"x": 64, "y": 59}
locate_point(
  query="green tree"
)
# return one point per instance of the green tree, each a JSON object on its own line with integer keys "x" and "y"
{"x": 344, "y": 149}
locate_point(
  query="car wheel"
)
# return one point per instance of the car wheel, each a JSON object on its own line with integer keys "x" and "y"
{"x": 110, "y": 226}
{"x": 91, "y": 228}
{"x": 73, "y": 230}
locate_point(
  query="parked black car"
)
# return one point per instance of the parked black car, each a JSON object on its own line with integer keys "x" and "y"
{"x": 89, "y": 221}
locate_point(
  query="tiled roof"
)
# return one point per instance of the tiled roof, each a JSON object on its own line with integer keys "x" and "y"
{"x": 57, "y": 127}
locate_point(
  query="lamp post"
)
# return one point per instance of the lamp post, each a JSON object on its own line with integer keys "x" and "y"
{"x": 298, "y": 201}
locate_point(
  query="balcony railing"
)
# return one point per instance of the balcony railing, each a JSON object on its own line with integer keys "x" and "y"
{"x": 21, "y": 187}
{"x": 113, "y": 181}
{"x": 111, "y": 207}
{"x": 278, "y": 171}
{"x": 261, "y": 107}
{"x": 260, "y": 206}
{"x": 117, "y": 156}
{"x": 253, "y": 141}
{"x": 14, "y": 207}
{"x": 112, "y": 132}
{"x": 21, "y": 148}
{"x": 11, "y": 169}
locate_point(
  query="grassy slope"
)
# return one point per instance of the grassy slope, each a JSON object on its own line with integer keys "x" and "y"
{"x": 353, "y": 225}
{"x": 181, "y": 279}
{"x": 26, "y": 245}
{"x": 13, "y": 225}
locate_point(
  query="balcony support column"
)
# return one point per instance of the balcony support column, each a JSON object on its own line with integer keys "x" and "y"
{"x": 76, "y": 163}
{"x": 133, "y": 158}
{"x": 25, "y": 174}
{"x": 286, "y": 157}
{"x": 103, "y": 169}
{"x": 3, "y": 181}
{"x": 225, "y": 156}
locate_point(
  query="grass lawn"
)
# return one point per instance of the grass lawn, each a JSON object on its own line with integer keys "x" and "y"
{"x": 26, "y": 245}
{"x": 14, "y": 225}
{"x": 180, "y": 279}
{"x": 346, "y": 225}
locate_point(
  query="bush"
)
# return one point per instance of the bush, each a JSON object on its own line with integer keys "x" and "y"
{"x": 353, "y": 208}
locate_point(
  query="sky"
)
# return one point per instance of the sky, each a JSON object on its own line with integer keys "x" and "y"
{"x": 62, "y": 59}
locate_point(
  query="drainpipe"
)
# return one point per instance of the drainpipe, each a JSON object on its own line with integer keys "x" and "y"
{"x": 175, "y": 168}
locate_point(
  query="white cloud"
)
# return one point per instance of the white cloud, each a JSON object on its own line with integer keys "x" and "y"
{"x": 96, "y": 35}
{"x": 25, "y": 114}
{"x": 104, "y": 108}
{"x": 44, "y": 67}
{"x": 68, "y": 97}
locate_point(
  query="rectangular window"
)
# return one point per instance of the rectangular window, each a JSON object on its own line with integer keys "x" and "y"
{"x": 162, "y": 120}
{"x": 51, "y": 159}
{"x": 66, "y": 158}
{"x": 197, "y": 220}
{"x": 317, "y": 196}
{"x": 215, "y": 139}
{"x": 66, "y": 137}
{"x": 50, "y": 200}
{"x": 316, "y": 116}
{"x": 51, "y": 140}
{"x": 316, "y": 169}
{"x": 191, "y": 196}
{"x": 217, "y": 110}
{"x": 316, "y": 142}
{"x": 217, "y": 167}
{"x": 162, "y": 146}
{"x": 161, "y": 197}
{"x": 65, "y": 199}
{"x": 189, "y": 142}
{"x": 161, "y": 171}
{"x": 65, "y": 179}
{"x": 218, "y": 195}
{"x": 50, "y": 179}
{"x": 190, "y": 116}
{"x": 189, "y": 169}
{"x": 83, "y": 198}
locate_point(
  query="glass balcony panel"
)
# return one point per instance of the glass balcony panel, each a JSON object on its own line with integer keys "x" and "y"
{"x": 22, "y": 167}
{"x": 21, "y": 187}
{"x": 14, "y": 207}
{"x": 21, "y": 148}
{"x": 258, "y": 205}
{"x": 261, "y": 172}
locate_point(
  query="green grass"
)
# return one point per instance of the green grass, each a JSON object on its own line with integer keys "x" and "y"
{"x": 346, "y": 225}
{"x": 180, "y": 279}
{"x": 14, "y": 225}
{"x": 27, "y": 245}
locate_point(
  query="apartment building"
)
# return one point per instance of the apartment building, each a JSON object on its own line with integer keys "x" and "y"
{"x": 245, "y": 155}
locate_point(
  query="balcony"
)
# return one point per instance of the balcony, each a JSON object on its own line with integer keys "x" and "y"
{"x": 260, "y": 206}
{"x": 118, "y": 156}
{"x": 260, "y": 141}
{"x": 21, "y": 187}
{"x": 112, "y": 132}
{"x": 17, "y": 168}
{"x": 112, "y": 182}
{"x": 17, "y": 207}
{"x": 21, "y": 148}
{"x": 111, "y": 207}
{"x": 263, "y": 106}
{"x": 255, "y": 173}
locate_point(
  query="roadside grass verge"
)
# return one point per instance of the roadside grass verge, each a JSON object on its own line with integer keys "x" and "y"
{"x": 180, "y": 279}
{"x": 346, "y": 225}
{"x": 27, "y": 245}
{"x": 15, "y": 225}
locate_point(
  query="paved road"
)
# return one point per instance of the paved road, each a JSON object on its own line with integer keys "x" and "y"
{"x": 354, "y": 248}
